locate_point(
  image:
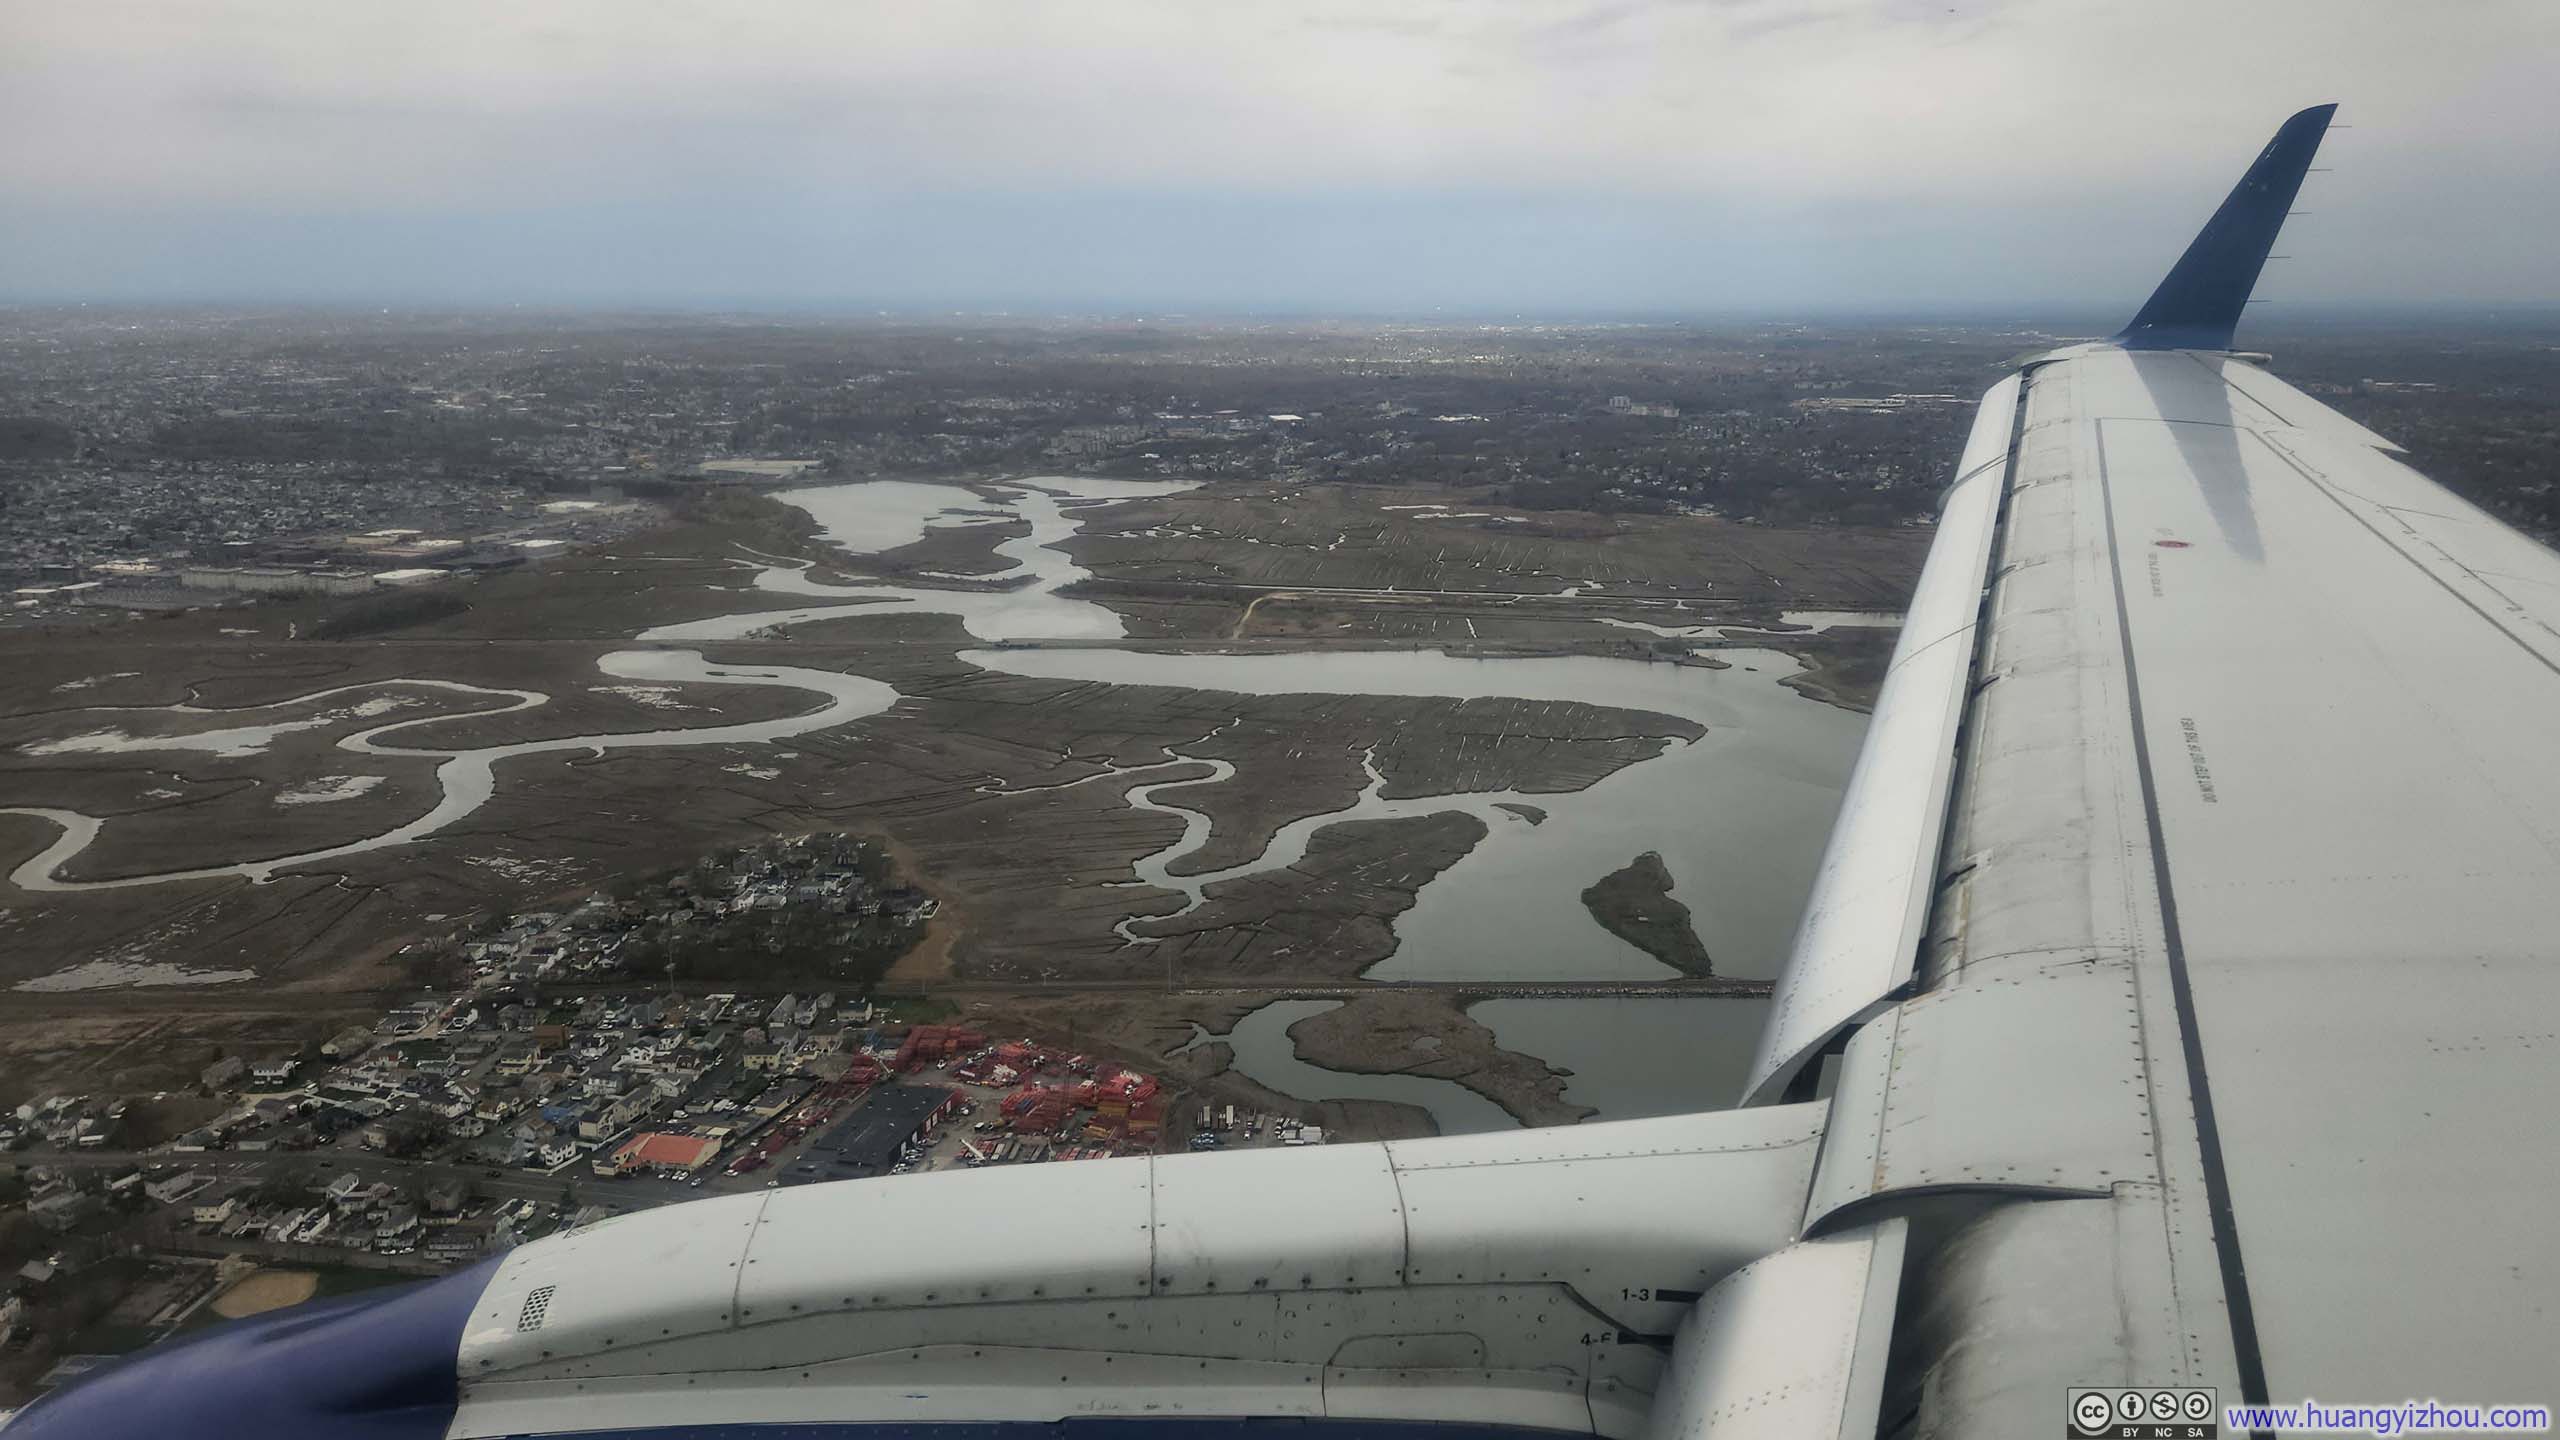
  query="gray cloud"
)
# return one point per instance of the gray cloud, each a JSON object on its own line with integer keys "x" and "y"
{"x": 1468, "y": 153}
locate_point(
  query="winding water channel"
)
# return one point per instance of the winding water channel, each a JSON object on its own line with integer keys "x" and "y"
{"x": 1629, "y": 1058}
{"x": 465, "y": 779}
{"x": 1262, "y": 1049}
{"x": 1739, "y": 815}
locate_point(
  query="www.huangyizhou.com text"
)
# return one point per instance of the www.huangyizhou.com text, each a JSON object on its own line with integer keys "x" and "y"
{"x": 2409, "y": 1417}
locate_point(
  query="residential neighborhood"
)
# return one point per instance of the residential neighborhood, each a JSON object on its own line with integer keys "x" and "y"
{"x": 547, "y": 1091}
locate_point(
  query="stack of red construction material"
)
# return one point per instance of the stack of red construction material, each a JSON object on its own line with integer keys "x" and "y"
{"x": 1035, "y": 1111}
{"x": 1120, "y": 1092}
{"x": 1146, "y": 1121}
{"x": 930, "y": 1044}
{"x": 1129, "y": 1085}
{"x": 912, "y": 1050}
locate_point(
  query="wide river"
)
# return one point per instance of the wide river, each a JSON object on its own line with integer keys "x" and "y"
{"x": 1739, "y": 816}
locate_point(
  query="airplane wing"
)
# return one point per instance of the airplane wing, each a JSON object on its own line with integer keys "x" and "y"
{"x": 2204, "y": 899}
{"x": 2172, "y": 1009}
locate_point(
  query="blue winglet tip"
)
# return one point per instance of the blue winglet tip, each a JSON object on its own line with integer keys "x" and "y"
{"x": 2198, "y": 304}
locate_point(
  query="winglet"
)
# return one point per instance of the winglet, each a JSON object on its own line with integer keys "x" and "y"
{"x": 2198, "y": 306}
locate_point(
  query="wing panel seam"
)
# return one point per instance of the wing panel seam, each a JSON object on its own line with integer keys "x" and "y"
{"x": 2226, "y": 1235}
{"x": 2316, "y": 483}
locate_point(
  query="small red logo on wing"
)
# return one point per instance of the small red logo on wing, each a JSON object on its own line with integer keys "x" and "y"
{"x": 2170, "y": 544}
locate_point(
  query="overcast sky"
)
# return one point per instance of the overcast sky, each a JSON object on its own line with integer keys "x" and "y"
{"x": 1484, "y": 157}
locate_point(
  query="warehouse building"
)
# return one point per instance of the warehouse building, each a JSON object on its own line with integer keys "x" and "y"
{"x": 867, "y": 1142}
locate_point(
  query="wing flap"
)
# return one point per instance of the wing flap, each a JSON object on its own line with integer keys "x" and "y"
{"x": 1870, "y": 899}
{"x": 1789, "y": 1348}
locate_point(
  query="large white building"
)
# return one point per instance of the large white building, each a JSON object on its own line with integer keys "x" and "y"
{"x": 275, "y": 579}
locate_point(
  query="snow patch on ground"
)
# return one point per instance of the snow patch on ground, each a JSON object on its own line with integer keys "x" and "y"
{"x": 231, "y": 744}
{"x": 86, "y": 681}
{"x": 515, "y": 869}
{"x": 756, "y": 771}
{"x": 112, "y": 974}
{"x": 1671, "y": 632}
{"x": 328, "y": 788}
{"x": 656, "y": 697}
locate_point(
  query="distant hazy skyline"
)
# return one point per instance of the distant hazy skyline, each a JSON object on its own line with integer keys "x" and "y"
{"x": 1373, "y": 156}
